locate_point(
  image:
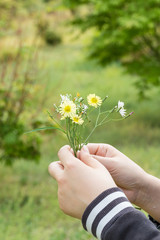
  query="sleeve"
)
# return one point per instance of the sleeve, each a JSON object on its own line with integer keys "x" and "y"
{"x": 157, "y": 224}
{"x": 112, "y": 217}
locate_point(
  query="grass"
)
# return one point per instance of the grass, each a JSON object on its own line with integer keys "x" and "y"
{"x": 28, "y": 200}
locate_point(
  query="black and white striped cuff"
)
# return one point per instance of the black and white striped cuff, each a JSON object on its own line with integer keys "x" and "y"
{"x": 103, "y": 211}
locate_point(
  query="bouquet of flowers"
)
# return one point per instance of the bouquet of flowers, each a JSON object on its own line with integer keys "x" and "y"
{"x": 75, "y": 113}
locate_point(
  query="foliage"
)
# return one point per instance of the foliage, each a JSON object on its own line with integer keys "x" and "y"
{"x": 28, "y": 203}
{"x": 16, "y": 91}
{"x": 125, "y": 31}
{"x": 10, "y": 10}
{"x": 51, "y": 38}
{"x": 47, "y": 33}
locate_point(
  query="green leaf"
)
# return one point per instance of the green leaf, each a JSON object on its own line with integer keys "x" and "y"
{"x": 45, "y": 128}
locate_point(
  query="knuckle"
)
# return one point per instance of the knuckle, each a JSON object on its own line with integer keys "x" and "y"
{"x": 110, "y": 148}
{"x": 104, "y": 149}
{"x": 62, "y": 149}
{"x": 52, "y": 169}
{"x": 70, "y": 164}
{"x": 61, "y": 180}
{"x": 108, "y": 145}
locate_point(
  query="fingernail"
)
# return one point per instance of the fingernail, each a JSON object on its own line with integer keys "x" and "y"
{"x": 85, "y": 149}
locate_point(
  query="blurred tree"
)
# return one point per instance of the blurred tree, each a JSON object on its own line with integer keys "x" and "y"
{"x": 16, "y": 92}
{"x": 18, "y": 85}
{"x": 11, "y": 9}
{"x": 125, "y": 31}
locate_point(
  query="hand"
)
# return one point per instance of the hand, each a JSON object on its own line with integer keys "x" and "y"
{"x": 79, "y": 181}
{"x": 130, "y": 177}
{"x": 140, "y": 187}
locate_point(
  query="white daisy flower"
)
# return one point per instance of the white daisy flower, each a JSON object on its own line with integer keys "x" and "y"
{"x": 67, "y": 109}
{"x": 120, "y": 104}
{"x": 122, "y": 111}
{"x": 84, "y": 108}
{"x": 64, "y": 97}
{"x": 120, "y": 108}
{"x": 94, "y": 100}
{"x": 77, "y": 119}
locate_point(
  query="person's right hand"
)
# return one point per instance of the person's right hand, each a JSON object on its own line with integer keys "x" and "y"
{"x": 130, "y": 177}
{"x": 79, "y": 182}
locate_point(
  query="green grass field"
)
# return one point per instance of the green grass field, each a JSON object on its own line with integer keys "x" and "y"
{"x": 28, "y": 196}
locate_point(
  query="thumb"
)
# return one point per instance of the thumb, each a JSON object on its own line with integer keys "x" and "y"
{"x": 85, "y": 157}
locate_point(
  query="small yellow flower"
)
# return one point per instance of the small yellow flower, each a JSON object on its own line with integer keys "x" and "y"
{"x": 67, "y": 109}
{"x": 77, "y": 119}
{"x": 94, "y": 100}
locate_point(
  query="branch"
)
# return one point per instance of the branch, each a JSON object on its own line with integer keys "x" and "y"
{"x": 152, "y": 48}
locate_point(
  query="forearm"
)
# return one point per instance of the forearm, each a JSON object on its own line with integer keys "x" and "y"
{"x": 149, "y": 197}
{"x": 111, "y": 216}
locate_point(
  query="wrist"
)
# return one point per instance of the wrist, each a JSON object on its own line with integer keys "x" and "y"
{"x": 142, "y": 196}
{"x": 149, "y": 195}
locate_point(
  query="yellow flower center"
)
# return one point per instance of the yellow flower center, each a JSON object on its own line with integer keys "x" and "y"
{"x": 94, "y": 100}
{"x": 75, "y": 119}
{"x": 67, "y": 109}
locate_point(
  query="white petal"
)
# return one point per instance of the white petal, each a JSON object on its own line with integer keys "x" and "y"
{"x": 120, "y": 104}
{"x": 85, "y": 107}
{"x": 64, "y": 98}
{"x": 122, "y": 111}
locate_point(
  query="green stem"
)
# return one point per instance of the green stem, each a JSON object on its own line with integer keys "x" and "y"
{"x": 85, "y": 142}
{"x": 105, "y": 112}
{"x": 102, "y": 122}
{"x": 106, "y": 116}
{"x": 119, "y": 119}
{"x": 55, "y": 120}
{"x": 96, "y": 124}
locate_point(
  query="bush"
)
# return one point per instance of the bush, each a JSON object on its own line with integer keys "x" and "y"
{"x": 51, "y": 38}
{"x": 7, "y": 55}
{"x": 42, "y": 25}
{"x": 47, "y": 34}
{"x": 13, "y": 144}
{"x": 16, "y": 93}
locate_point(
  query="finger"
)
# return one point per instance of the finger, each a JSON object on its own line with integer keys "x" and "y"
{"x": 101, "y": 149}
{"x": 56, "y": 170}
{"x": 103, "y": 160}
{"x": 66, "y": 155}
{"x": 97, "y": 149}
{"x": 78, "y": 154}
{"x": 87, "y": 158}
{"x": 71, "y": 150}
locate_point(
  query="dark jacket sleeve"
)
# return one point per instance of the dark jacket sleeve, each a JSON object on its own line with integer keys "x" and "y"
{"x": 112, "y": 217}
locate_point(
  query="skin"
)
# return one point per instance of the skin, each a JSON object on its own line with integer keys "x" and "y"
{"x": 141, "y": 188}
{"x": 80, "y": 181}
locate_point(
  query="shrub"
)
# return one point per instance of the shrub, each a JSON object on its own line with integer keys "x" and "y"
{"x": 16, "y": 93}
{"x": 51, "y": 38}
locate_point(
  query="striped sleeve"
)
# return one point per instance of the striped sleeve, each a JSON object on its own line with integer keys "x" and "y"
{"x": 104, "y": 211}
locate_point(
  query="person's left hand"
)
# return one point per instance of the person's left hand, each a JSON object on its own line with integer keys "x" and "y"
{"x": 79, "y": 181}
